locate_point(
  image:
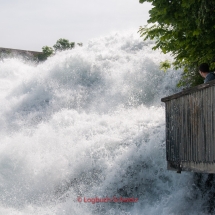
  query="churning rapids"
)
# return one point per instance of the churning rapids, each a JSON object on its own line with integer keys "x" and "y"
{"x": 89, "y": 123}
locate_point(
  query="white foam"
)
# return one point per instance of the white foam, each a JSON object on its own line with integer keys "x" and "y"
{"x": 89, "y": 122}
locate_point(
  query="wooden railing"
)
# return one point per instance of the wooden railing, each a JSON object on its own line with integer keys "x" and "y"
{"x": 190, "y": 129}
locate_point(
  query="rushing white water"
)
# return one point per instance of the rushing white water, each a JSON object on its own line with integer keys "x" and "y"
{"x": 89, "y": 123}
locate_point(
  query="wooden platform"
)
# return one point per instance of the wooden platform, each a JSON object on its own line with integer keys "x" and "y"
{"x": 190, "y": 129}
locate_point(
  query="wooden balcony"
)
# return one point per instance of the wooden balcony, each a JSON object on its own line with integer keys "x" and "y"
{"x": 190, "y": 129}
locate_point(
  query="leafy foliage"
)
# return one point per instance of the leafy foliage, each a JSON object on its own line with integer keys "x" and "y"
{"x": 60, "y": 45}
{"x": 165, "y": 65}
{"x": 63, "y": 44}
{"x": 46, "y": 52}
{"x": 185, "y": 28}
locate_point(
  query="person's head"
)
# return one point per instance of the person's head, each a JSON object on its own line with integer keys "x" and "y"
{"x": 203, "y": 69}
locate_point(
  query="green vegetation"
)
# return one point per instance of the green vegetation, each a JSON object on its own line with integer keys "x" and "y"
{"x": 60, "y": 45}
{"x": 46, "y": 52}
{"x": 165, "y": 65}
{"x": 63, "y": 44}
{"x": 186, "y": 29}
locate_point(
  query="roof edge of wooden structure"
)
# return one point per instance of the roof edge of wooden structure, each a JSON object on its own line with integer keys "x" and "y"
{"x": 188, "y": 91}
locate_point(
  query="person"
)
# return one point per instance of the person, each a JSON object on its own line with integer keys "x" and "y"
{"x": 205, "y": 73}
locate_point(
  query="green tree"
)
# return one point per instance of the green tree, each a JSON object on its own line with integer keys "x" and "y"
{"x": 185, "y": 28}
{"x": 63, "y": 44}
{"x": 46, "y": 52}
{"x": 60, "y": 45}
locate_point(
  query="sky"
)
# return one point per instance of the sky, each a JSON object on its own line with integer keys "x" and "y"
{"x": 32, "y": 24}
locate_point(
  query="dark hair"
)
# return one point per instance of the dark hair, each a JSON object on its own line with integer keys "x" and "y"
{"x": 204, "y": 67}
